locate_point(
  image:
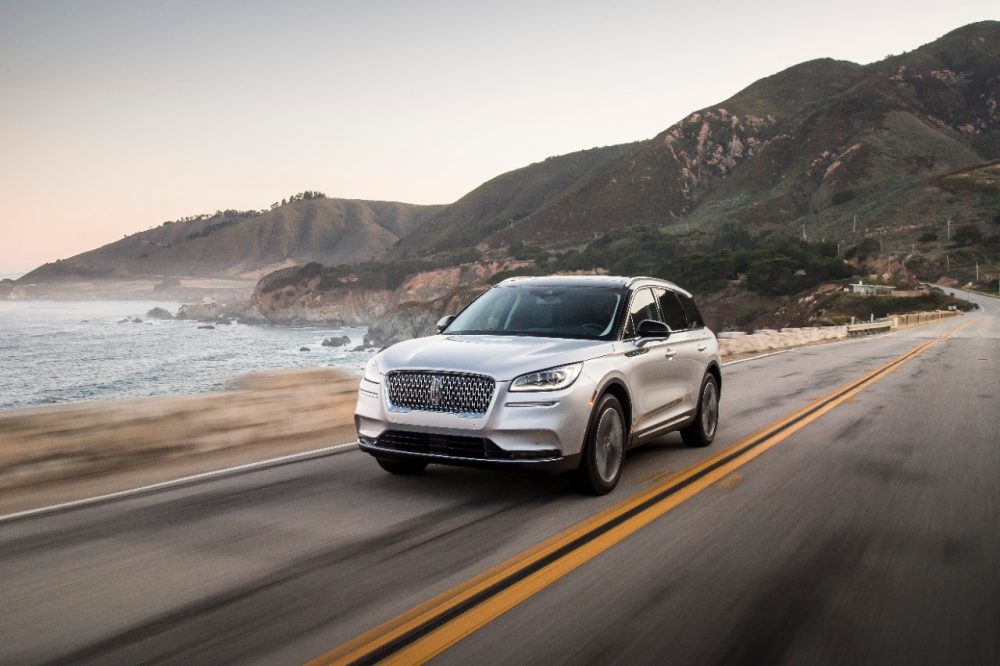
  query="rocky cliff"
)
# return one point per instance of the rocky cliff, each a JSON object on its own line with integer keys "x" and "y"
{"x": 417, "y": 319}
{"x": 309, "y": 295}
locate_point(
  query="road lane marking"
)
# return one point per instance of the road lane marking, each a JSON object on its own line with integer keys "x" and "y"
{"x": 425, "y": 631}
{"x": 180, "y": 482}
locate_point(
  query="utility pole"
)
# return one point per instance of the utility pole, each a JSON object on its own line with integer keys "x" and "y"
{"x": 803, "y": 232}
{"x": 949, "y": 228}
{"x": 947, "y": 263}
{"x": 977, "y": 271}
{"x": 855, "y": 229}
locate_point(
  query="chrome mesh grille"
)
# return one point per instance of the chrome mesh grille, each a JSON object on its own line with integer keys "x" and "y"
{"x": 440, "y": 392}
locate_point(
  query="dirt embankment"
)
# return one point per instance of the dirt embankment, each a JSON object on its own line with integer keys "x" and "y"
{"x": 62, "y": 452}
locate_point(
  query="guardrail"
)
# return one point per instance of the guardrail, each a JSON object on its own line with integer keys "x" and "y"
{"x": 871, "y": 328}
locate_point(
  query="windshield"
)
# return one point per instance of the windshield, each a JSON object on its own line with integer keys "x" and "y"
{"x": 551, "y": 312}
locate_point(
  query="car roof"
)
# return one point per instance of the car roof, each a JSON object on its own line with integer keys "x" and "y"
{"x": 609, "y": 281}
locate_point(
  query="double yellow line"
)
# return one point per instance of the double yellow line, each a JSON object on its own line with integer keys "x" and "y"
{"x": 427, "y": 630}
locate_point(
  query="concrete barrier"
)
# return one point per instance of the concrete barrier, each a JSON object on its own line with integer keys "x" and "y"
{"x": 768, "y": 340}
{"x": 735, "y": 343}
{"x": 917, "y": 318}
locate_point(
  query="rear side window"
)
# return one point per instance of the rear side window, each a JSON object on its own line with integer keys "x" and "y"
{"x": 673, "y": 312}
{"x": 691, "y": 310}
{"x": 643, "y": 306}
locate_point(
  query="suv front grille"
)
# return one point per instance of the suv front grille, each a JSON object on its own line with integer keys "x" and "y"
{"x": 455, "y": 446}
{"x": 440, "y": 392}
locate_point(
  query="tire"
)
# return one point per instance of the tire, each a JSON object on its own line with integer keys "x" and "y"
{"x": 603, "y": 449}
{"x": 401, "y": 467}
{"x": 702, "y": 430}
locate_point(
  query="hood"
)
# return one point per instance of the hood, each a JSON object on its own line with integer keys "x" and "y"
{"x": 501, "y": 357}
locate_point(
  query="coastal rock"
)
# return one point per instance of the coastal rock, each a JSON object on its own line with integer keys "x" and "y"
{"x": 304, "y": 349}
{"x": 417, "y": 319}
{"x": 338, "y": 341}
{"x": 208, "y": 327}
{"x": 159, "y": 313}
{"x": 209, "y": 310}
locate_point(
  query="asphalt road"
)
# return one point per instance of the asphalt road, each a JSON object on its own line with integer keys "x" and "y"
{"x": 870, "y": 535}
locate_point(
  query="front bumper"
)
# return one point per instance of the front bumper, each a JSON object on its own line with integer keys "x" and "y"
{"x": 543, "y": 429}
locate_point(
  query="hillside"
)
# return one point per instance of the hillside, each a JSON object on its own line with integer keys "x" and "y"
{"x": 248, "y": 243}
{"x": 503, "y": 201}
{"x": 815, "y": 145}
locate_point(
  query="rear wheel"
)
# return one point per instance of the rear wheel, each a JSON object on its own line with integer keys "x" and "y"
{"x": 404, "y": 467}
{"x": 701, "y": 432}
{"x": 604, "y": 449}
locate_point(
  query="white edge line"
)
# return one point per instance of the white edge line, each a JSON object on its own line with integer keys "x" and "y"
{"x": 184, "y": 480}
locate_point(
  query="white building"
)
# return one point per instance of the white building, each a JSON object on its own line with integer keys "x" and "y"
{"x": 860, "y": 289}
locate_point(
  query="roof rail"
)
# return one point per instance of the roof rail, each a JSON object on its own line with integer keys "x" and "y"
{"x": 638, "y": 278}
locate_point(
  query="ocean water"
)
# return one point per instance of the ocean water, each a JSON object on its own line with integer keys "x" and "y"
{"x": 57, "y": 352}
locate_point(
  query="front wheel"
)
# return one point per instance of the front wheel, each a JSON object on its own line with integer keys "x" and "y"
{"x": 403, "y": 467}
{"x": 701, "y": 432}
{"x": 604, "y": 449}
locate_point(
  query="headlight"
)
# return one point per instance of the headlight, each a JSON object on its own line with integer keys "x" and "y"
{"x": 552, "y": 379}
{"x": 371, "y": 372}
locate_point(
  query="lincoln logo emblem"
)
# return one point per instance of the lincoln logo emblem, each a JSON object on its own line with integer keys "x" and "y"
{"x": 434, "y": 393}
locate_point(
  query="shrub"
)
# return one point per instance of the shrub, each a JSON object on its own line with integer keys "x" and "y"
{"x": 843, "y": 197}
{"x": 967, "y": 234}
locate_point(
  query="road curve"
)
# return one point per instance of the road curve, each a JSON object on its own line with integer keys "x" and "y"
{"x": 869, "y": 535}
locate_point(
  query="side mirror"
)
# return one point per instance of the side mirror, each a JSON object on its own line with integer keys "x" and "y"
{"x": 443, "y": 322}
{"x": 650, "y": 328}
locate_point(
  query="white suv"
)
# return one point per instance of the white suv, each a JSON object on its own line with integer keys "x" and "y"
{"x": 565, "y": 373}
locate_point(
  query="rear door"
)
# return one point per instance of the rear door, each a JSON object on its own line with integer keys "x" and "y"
{"x": 685, "y": 347}
{"x": 657, "y": 392}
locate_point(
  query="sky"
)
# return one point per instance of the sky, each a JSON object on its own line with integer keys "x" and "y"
{"x": 117, "y": 116}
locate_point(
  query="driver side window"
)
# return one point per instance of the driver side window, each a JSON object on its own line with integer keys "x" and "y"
{"x": 643, "y": 306}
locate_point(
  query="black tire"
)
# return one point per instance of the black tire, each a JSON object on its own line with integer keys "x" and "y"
{"x": 702, "y": 430}
{"x": 402, "y": 467}
{"x": 598, "y": 473}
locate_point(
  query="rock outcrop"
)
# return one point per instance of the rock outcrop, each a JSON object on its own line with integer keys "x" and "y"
{"x": 159, "y": 313}
{"x": 310, "y": 300}
{"x": 416, "y": 319}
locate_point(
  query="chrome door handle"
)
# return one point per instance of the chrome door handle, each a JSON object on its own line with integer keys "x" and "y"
{"x": 702, "y": 347}
{"x": 670, "y": 353}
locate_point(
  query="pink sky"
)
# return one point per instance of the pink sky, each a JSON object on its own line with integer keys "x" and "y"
{"x": 117, "y": 116}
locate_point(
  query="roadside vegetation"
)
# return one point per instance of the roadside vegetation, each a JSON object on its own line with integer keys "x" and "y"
{"x": 783, "y": 266}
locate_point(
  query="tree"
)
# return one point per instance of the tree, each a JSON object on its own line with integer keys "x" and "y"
{"x": 968, "y": 234}
{"x": 866, "y": 248}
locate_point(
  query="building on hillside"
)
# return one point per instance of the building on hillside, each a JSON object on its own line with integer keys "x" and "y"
{"x": 861, "y": 289}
